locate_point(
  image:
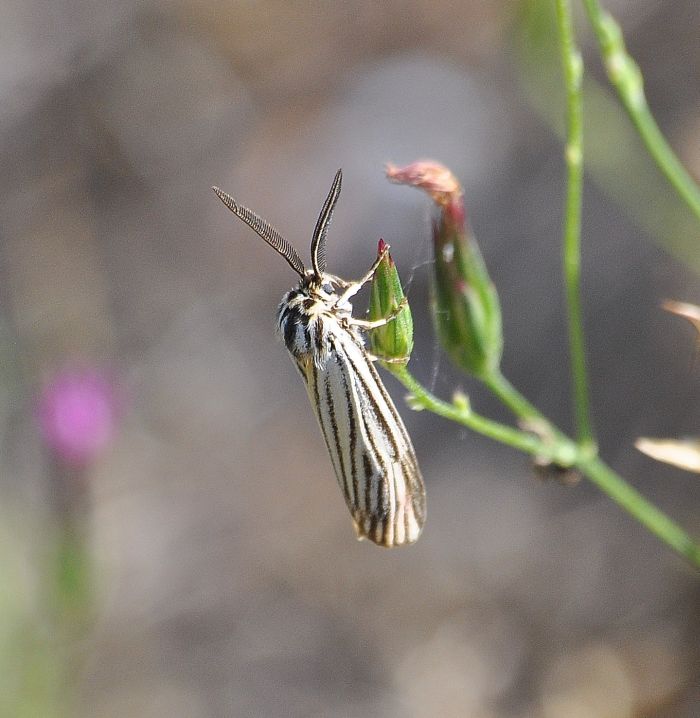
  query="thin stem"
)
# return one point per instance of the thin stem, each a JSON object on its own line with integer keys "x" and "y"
{"x": 528, "y": 414}
{"x": 559, "y": 448}
{"x": 510, "y": 396}
{"x": 626, "y": 77}
{"x": 558, "y": 452}
{"x": 573, "y": 74}
{"x": 637, "y": 506}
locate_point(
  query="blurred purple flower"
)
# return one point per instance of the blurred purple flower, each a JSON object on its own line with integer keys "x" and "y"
{"x": 78, "y": 412}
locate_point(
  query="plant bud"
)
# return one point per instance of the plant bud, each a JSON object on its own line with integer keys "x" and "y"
{"x": 466, "y": 309}
{"x": 394, "y": 340}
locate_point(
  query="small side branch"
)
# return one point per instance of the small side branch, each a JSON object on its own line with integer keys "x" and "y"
{"x": 626, "y": 77}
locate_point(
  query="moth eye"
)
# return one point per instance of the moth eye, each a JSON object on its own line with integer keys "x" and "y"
{"x": 327, "y": 288}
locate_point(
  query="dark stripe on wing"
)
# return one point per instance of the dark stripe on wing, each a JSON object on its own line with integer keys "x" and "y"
{"x": 377, "y": 410}
{"x": 336, "y": 436}
{"x": 316, "y": 399}
{"x": 352, "y": 421}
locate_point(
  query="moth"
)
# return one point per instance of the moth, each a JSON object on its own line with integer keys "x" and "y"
{"x": 369, "y": 447}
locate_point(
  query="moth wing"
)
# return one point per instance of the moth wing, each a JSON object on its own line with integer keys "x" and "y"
{"x": 371, "y": 452}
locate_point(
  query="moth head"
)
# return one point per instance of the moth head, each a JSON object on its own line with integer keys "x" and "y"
{"x": 322, "y": 289}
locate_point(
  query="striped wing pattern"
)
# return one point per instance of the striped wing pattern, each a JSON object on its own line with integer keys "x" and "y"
{"x": 370, "y": 449}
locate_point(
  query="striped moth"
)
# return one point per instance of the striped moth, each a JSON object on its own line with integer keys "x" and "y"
{"x": 368, "y": 444}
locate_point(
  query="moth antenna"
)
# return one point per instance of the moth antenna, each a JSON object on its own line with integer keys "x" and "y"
{"x": 318, "y": 240}
{"x": 265, "y": 230}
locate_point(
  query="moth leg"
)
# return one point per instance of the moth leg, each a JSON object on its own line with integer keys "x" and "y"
{"x": 375, "y": 323}
{"x": 338, "y": 280}
{"x": 352, "y": 288}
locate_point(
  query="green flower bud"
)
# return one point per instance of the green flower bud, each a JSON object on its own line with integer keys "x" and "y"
{"x": 466, "y": 309}
{"x": 394, "y": 340}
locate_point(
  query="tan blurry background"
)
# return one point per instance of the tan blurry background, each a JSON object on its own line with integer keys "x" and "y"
{"x": 226, "y": 580}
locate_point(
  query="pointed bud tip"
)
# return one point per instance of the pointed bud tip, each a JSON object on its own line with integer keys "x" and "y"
{"x": 382, "y": 247}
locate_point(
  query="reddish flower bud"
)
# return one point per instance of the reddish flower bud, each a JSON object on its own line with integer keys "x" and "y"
{"x": 466, "y": 309}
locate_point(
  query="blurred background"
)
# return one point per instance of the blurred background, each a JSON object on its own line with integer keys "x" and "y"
{"x": 172, "y": 538}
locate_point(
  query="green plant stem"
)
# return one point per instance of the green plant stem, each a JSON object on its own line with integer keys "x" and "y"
{"x": 517, "y": 439}
{"x": 532, "y": 418}
{"x": 572, "y": 65}
{"x": 637, "y": 506}
{"x": 626, "y": 77}
{"x": 558, "y": 448}
{"x": 511, "y": 397}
